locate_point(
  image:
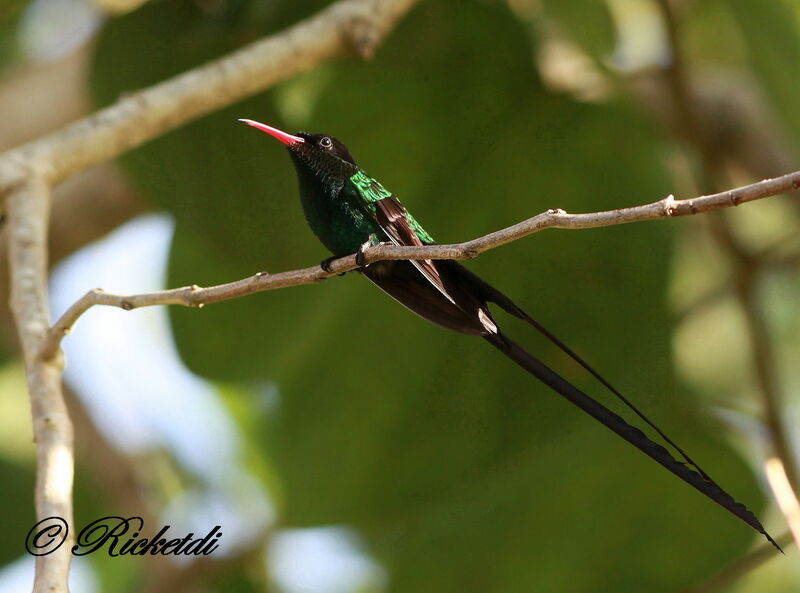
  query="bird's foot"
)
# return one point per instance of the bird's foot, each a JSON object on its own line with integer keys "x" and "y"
{"x": 325, "y": 264}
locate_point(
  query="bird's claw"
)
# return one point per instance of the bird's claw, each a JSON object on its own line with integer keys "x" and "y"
{"x": 325, "y": 264}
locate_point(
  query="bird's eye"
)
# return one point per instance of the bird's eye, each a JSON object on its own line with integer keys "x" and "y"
{"x": 325, "y": 142}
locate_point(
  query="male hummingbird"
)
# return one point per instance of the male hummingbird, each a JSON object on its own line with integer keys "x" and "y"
{"x": 348, "y": 211}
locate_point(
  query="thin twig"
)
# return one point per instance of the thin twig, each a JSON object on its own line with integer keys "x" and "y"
{"x": 195, "y": 296}
{"x": 85, "y": 207}
{"x": 27, "y": 173}
{"x": 347, "y": 27}
{"x": 28, "y": 209}
{"x": 784, "y": 495}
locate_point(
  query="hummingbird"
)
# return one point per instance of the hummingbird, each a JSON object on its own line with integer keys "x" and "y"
{"x": 350, "y": 211}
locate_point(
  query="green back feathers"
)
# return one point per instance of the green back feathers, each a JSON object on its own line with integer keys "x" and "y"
{"x": 421, "y": 233}
{"x": 371, "y": 191}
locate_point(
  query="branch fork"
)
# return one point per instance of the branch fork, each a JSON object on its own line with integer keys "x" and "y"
{"x": 28, "y": 172}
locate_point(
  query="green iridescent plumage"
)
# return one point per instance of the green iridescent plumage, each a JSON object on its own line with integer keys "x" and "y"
{"x": 371, "y": 191}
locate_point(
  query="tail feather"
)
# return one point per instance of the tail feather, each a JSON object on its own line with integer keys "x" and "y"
{"x": 633, "y": 435}
{"x": 491, "y": 294}
{"x": 466, "y": 311}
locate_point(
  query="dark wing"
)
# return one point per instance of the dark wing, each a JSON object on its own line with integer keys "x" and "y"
{"x": 417, "y": 284}
{"x": 403, "y": 229}
{"x": 405, "y": 284}
{"x": 391, "y": 216}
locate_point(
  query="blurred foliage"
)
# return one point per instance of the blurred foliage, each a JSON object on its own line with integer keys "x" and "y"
{"x": 452, "y": 463}
{"x": 10, "y": 13}
{"x": 589, "y": 24}
{"x": 775, "y": 57}
{"x": 19, "y": 480}
{"x": 16, "y": 463}
{"x": 459, "y": 471}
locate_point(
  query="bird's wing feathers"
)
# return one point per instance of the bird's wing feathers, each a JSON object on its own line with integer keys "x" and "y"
{"x": 391, "y": 216}
{"x": 398, "y": 224}
{"x": 405, "y": 284}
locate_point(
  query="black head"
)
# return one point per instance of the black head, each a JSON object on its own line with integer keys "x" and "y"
{"x": 319, "y": 155}
{"x": 326, "y": 144}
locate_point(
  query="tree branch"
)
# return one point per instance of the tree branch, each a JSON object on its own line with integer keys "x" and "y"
{"x": 28, "y": 212}
{"x": 784, "y": 494}
{"x": 349, "y": 26}
{"x": 195, "y": 296}
{"x": 85, "y": 207}
{"x": 27, "y": 173}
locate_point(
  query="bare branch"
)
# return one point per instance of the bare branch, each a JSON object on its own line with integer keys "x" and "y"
{"x": 349, "y": 26}
{"x": 85, "y": 207}
{"x": 27, "y": 173}
{"x": 784, "y": 494}
{"x": 195, "y": 296}
{"x": 28, "y": 217}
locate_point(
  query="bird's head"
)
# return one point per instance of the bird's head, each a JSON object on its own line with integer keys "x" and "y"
{"x": 319, "y": 155}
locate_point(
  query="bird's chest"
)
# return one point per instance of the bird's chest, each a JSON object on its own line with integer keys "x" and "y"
{"x": 338, "y": 222}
